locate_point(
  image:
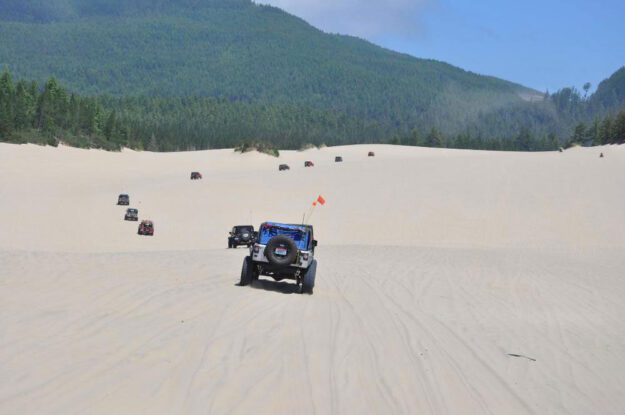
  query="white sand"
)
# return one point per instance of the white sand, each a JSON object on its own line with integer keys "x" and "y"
{"x": 434, "y": 266}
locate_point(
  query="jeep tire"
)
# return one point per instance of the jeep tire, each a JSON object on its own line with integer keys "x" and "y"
{"x": 284, "y": 242}
{"x": 247, "y": 272}
{"x": 308, "y": 282}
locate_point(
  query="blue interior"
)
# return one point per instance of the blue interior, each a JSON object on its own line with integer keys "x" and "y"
{"x": 297, "y": 233}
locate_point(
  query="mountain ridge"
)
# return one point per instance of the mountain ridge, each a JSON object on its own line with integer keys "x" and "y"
{"x": 237, "y": 50}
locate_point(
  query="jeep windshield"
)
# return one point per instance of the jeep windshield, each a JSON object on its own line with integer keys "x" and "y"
{"x": 297, "y": 233}
{"x": 243, "y": 229}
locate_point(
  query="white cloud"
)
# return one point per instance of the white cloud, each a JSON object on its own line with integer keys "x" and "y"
{"x": 364, "y": 18}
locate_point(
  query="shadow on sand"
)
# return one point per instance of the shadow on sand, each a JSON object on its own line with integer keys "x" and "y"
{"x": 275, "y": 286}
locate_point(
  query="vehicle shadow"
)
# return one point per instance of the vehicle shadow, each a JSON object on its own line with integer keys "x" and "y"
{"x": 275, "y": 286}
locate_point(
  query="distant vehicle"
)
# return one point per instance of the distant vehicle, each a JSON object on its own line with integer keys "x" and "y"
{"x": 146, "y": 228}
{"x": 241, "y": 235}
{"x": 132, "y": 215}
{"x": 123, "y": 200}
{"x": 309, "y": 164}
{"x": 371, "y": 154}
{"x": 284, "y": 167}
{"x": 338, "y": 159}
{"x": 601, "y": 155}
{"x": 282, "y": 251}
{"x": 196, "y": 176}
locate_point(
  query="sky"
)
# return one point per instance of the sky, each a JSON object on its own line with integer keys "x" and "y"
{"x": 546, "y": 45}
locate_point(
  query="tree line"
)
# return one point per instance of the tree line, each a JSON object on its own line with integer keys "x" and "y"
{"x": 49, "y": 114}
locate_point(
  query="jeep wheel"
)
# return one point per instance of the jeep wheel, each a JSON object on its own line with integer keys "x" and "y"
{"x": 308, "y": 282}
{"x": 281, "y": 241}
{"x": 247, "y": 272}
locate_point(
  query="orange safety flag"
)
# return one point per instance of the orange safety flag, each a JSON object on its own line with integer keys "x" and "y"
{"x": 321, "y": 200}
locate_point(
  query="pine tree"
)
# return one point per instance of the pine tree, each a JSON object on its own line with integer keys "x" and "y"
{"x": 605, "y": 131}
{"x": 7, "y": 96}
{"x": 524, "y": 140}
{"x": 434, "y": 139}
{"x": 619, "y": 128}
{"x": 579, "y": 135}
{"x": 412, "y": 139}
{"x": 109, "y": 127}
{"x": 153, "y": 145}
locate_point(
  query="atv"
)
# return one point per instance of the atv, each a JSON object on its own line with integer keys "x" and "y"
{"x": 284, "y": 167}
{"x": 338, "y": 159}
{"x": 196, "y": 176}
{"x": 309, "y": 164}
{"x": 282, "y": 252}
{"x": 146, "y": 228}
{"x": 132, "y": 215}
{"x": 123, "y": 200}
{"x": 241, "y": 235}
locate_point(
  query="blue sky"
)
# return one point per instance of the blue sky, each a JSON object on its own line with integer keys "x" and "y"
{"x": 545, "y": 44}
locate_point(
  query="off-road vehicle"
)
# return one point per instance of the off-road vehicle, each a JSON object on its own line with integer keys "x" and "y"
{"x": 284, "y": 167}
{"x": 146, "y": 228}
{"x": 241, "y": 235}
{"x": 196, "y": 176}
{"x": 132, "y": 215}
{"x": 371, "y": 154}
{"x": 338, "y": 159}
{"x": 282, "y": 251}
{"x": 309, "y": 164}
{"x": 123, "y": 200}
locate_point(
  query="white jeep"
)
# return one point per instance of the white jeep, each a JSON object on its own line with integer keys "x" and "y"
{"x": 282, "y": 251}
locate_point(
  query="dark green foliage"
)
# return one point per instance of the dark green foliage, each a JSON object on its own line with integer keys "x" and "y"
{"x": 50, "y": 115}
{"x": 434, "y": 139}
{"x": 261, "y": 147}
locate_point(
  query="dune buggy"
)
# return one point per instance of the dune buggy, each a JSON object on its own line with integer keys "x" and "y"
{"x": 196, "y": 176}
{"x": 241, "y": 235}
{"x": 283, "y": 167}
{"x": 282, "y": 252}
{"x": 309, "y": 164}
{"x": 338, "y": 159}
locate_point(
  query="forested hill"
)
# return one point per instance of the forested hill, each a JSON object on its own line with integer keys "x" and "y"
{"x": 240, "y": 51}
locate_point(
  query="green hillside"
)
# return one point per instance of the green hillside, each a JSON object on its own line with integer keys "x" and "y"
{"x": 240, "y": 51}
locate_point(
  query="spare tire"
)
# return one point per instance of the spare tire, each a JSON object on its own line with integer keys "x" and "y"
{"x": 281, "y": 243}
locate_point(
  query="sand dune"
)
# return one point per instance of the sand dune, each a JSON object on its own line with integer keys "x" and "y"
{"x": 449, "y": 282}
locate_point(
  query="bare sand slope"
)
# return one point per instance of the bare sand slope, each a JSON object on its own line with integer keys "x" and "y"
{"x": 449, "y": 282}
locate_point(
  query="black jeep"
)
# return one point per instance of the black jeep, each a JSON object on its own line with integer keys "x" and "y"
{"x": 282, "y": 251}
{"x": 338, "y": 159}
{"x": 241, "y": 235}
{"x": 284, "y": 167}
{"x": 123, "y": 200}
{"x": 132, "y": 215}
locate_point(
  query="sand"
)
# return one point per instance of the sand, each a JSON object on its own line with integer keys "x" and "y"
{"x": 449, "y": 282}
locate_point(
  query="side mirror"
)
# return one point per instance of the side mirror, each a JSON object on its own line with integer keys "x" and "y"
{"x": 315, "y": 244}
